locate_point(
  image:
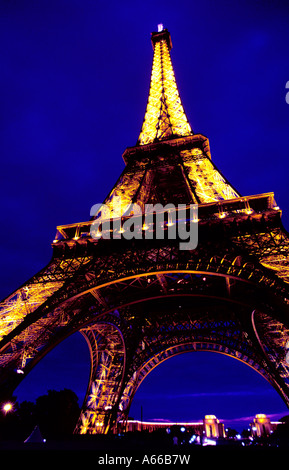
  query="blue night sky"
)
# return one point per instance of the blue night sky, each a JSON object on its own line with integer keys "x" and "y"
{"x": 73, "y": 89}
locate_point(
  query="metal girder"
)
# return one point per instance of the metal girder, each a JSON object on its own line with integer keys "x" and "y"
{"x": 108, "y": 362}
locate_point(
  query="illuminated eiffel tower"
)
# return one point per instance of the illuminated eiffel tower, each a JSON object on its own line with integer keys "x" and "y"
{"x": 139, "y": 302}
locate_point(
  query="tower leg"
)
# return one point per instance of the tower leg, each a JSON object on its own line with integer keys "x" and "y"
{"x": 98, "y": 415}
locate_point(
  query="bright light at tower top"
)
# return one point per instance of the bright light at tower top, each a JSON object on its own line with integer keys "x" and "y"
{"x": 160, "y": 27}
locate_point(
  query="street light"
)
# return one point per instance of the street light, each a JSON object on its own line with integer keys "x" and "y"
{"x": 7, "y": 407}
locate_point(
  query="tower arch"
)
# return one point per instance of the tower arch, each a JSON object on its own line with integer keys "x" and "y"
{"x": 140, "y": 375}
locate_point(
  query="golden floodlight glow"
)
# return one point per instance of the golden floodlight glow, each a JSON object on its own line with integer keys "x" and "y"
{"x": 24, "y": 301}
{"x": 261, "y": 416}
{"x": 209, "y": 184}
{"x": 165, "y": 114}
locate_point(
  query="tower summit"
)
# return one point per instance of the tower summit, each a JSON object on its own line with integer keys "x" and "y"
{"x": 169, "y": 164}
{"x": 164, "y": 117}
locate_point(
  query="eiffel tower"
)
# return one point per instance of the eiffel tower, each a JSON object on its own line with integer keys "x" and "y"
{"x": 143, "y": 300}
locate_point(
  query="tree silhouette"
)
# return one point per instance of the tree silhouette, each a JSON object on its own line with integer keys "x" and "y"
{"x": 57, "y": 413}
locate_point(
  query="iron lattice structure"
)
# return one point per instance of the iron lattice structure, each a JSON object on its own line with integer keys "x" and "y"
{"x": 138, "y": 302}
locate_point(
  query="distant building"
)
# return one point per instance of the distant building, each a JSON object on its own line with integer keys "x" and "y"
{"x": 262, "y": 426}
{"x": 209, "y": 427}
{"x": 213, "y": 427}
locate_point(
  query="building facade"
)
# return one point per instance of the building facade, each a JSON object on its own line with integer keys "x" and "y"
{"x": 209, "y": 427}
{"x": 262, "y": 426}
